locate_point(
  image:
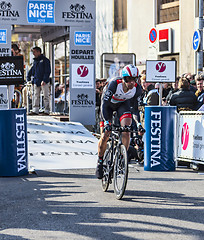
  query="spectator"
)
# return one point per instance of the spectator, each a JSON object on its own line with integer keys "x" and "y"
{"x": 134, "y": 107}
{"x": 166, "y": 89}
{"x": 59, "y": 101}
{"x": 40, "y": 71}
{"x": 136, "y": 148}
{"x": 200, "y": 91}
{"x": 184, "y": 99}
{"x": 15, "y": 51}
{"x": 103, "y": 82}
{"x": 98, "y": 92}
{"x": 153, "y": 96}
{"x": 173, "y": 90}
{"x": 143, "y": 72}
{"x": 146, "y": 87}
{"x": 57, "y": 90}
{"x": 142, "y": 100}
{"x": 190, "y": 78}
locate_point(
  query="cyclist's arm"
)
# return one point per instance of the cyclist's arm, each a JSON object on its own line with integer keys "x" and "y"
{"x": 136, "y": 99}
{"x": 138, "y": 91}
{"x": 111, "y": 89}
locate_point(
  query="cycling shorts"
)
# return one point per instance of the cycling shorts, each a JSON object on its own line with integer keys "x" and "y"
{"x": 122, "y": 109}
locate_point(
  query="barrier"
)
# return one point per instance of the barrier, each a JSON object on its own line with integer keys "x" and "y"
{"x": 159, "y": 151}
{"x": 13, "y": 143}
{"x": 191, "y": 137}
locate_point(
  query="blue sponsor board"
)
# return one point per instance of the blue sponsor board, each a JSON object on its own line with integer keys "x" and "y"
{"x": 159, "y": 141}
{"x": 13, "y": 144}
{"x": 41, "y": 11}
{"x": 82, "y": 38}
{"x": 3, "y": 34}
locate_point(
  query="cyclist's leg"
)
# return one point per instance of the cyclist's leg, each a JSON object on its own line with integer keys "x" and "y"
{"x": 126, "y": 135}
{"x": 104, "y": 135}
{"x": 102, "y": 144}
{"x": 125, "y": 117}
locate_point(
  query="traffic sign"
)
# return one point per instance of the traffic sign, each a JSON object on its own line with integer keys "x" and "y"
{"x": 153, "y": 35}
{"x": 196, "y": 40}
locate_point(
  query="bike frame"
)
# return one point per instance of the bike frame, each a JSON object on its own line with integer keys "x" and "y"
{"x": 113, "y": 168}
{"x": 115, "y": 143}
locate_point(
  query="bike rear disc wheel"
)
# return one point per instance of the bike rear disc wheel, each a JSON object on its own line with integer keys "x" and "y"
{"x": 106, "y": 168}
{"x": 120, "y": 172}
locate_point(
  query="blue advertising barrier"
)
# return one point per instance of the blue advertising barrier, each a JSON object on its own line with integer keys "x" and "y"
{"x": 159, "y": 142}
{"x": 13, "y": 143}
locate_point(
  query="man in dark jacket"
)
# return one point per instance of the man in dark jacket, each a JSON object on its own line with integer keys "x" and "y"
{"x": 184, "y": 99}
{"x": 41, "y": 78}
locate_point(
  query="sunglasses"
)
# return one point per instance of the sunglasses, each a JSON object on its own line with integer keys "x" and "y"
{"x": 130, "y": 79}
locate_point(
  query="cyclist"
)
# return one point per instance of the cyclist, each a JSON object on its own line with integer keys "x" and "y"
{"x": 116, "y": 97}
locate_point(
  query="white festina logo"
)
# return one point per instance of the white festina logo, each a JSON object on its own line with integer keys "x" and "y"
{"x": 8, "y": 69}
{"x": 7, "y": 66}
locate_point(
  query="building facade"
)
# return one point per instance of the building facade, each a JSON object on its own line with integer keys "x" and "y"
{"x": 175, "y": 22}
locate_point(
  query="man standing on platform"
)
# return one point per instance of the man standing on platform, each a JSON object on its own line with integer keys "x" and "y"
{"x": 40, "y": 71}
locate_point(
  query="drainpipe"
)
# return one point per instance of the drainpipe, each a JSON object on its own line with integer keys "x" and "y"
{"x": 200, "y": 50}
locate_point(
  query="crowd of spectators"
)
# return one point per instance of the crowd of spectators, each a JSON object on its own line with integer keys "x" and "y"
{"x": 186, "y": 93}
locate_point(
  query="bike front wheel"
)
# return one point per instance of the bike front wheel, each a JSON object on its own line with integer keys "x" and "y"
{"x": 120, "y": 172}
{"x": 106, "y": 168}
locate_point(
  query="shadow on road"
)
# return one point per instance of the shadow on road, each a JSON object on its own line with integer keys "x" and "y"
{"x": 73, "y": 205}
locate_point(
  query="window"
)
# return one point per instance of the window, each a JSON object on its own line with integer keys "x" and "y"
{"x": 167, "y": 1}
{"x": 168, "y": 10}
{"x": 120, "y": 15}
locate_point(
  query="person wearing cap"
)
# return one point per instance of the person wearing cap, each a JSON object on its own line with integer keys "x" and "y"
{"x": 116, "y": 97}
{"x": 40, "y": 71}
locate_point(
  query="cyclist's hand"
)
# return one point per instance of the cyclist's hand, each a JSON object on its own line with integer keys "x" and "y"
{"x": 140, "y": 128}
{"x": 107, "y": 126}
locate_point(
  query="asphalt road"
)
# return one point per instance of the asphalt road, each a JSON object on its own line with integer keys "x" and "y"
{"x": 70, "y": 204}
